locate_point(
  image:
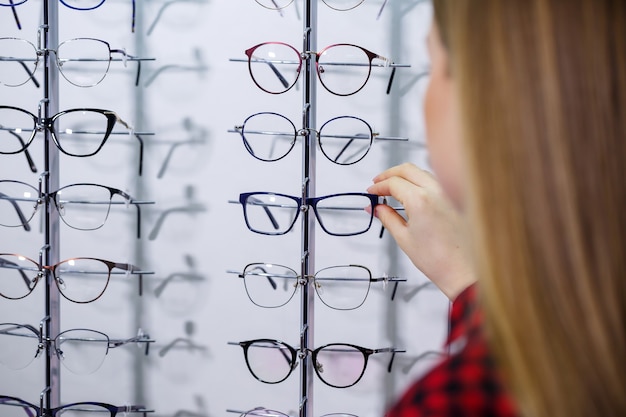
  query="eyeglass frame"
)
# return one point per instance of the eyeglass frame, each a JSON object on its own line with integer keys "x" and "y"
{"x": 305, "y": 55}
{"x": 303, "y": 132}
{"x": 266, "y": 412}
{"x": 310, "y": 202}
{"x": 301, "y": 281}
{"x": 110, "y": 343}
{"x": 39, "y": 51}
{"x": 42, "y": 123}
{"x": 52, "y": 412}
{"x": 303, "y": 352}
{"x": 43, "y": 269}
{"x": 19, "y": 25}
{"x": 41, "y": 196}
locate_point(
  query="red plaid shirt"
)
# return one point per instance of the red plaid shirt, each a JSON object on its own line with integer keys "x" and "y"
{"x": 465, "y": 383}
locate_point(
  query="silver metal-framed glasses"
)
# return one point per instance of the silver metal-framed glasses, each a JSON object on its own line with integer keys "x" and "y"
{"x": 340, "y": 287}
{"x": 83, "y": 62}
{"x": 81, "y": 206}
{"x": 81, "y": 351}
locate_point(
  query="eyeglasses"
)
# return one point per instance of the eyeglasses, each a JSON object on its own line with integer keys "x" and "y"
{"x": 342, "y": 214}
{"x": 76, "y": 132}
{"x": 81, "y": 351}
{"x": 343, "y": 69}
{"x": 72, "y": 4}
{"x": 80, "y": 280}
{"x": 81, "y": 206}
{"x": 341, "y": 287}
{"x": 83, "y": 62}
{"x": 12, "y": 406}
{"x": 339, "y": 365}
{"x": 266, "y": 412}
{"x": 344, "y": 140}
{"x": 340, "y": 5}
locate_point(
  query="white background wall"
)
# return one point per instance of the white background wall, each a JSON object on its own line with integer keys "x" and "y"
{"x": 194, "y": 92}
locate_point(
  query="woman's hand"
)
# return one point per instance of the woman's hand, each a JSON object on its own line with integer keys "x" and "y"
{"x": 432, "y": 235}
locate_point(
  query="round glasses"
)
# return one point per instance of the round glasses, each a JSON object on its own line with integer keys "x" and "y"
{"x": 80, "y": 280}
{"x": 339, "y": 365}
{"x": 81, "y": 351}
{"x": 344, "y": 140}
{"x": 343, "y": 69}
{"x": 342, "y": 287}
{"x": 340, "y": 5}
{"x": 342, "y": 214}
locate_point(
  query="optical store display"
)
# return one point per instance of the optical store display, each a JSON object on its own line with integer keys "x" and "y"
{"x": 87, "y": 236}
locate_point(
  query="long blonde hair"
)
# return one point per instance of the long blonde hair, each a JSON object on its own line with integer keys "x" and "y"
{"x": 542, "y": 85}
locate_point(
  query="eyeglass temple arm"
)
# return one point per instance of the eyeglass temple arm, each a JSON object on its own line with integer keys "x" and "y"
{"x": 132, "y": 57}
{"x": 144, "y": 338}
{"x": 393, "y": 355}
{"x": 4, "y": 262}
{"x": 31, "y": 163}
{"x": 20, "y": 214}
{"x": 17, "y": 19}
{"x": 127, "y": 126}
{"x": 133, "y": 270}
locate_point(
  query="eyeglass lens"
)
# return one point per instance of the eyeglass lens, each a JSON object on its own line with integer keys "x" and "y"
{"x": 339, "y": 287}
{"x": 344, "y": 140}
{"x": 18, "y": 345}
{"x": 269, "y": 361}
{"x": 18, "y": 203}
{"x": 18, "y": 61}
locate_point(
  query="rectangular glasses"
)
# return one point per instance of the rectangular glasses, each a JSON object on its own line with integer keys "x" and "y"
{"x": 341, "y": 214}
{"x": 16, "y": 407}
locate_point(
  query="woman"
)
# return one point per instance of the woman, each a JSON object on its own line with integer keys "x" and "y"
{"x": 526, "y": 128}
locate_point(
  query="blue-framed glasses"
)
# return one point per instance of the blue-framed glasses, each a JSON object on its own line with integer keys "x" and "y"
{"x": 341, "y": 214}
{"x": 72, "y": 4}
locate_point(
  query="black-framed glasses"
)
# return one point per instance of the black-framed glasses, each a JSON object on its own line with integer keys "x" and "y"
{"x": 83, "y": 62}
{"x": 80, "y": 280}
{"x": 339, "y": 365}
{"x": 342, "y": 214}
{"x": 16, "y": 407}
{"x": 81, "y": 206}
{"x": 340, "y": 287}
{"x": 269, "y": 136}
{"x": 343, "y": 69}
{"x": 80, "y": 132}
{"x": 72, "y": 4}
{"x": 81, "y": 351}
